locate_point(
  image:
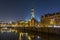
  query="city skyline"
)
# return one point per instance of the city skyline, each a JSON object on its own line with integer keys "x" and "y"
{"x": 13, "y": 10}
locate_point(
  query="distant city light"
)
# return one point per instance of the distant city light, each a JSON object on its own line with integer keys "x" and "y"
{"x": 38, "y": 36}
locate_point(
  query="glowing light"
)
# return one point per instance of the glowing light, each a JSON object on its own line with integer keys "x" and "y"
{"x": 10, "y": 22}
{"x": 4, "y": 28}
{"x": 37, "y": 17}
{"x": 52, "y": 21}
{"x": 29, "y": 20}
{"x": 29, "y": 37}
{"x": 38, "y": 36}
{"x": 26, "y": 34}
{"x": 56, "y": 26}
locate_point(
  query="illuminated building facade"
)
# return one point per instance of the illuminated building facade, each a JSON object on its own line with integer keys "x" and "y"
{"x": 20, "y": 23}
{"x": 49, "y": 20}
{"x": 33, "y": 23}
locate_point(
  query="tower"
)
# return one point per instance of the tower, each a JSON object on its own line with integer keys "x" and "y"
{"x": 32, "y": 13}
{"x": 32, "y": 22}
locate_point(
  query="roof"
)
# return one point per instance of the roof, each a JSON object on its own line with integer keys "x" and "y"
{"x": 51, "y": 14}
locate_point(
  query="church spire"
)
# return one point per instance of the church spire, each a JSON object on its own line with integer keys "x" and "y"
{"x": 32, "y": 10}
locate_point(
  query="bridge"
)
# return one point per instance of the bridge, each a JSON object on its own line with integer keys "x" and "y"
{"x": 43, "y": 32}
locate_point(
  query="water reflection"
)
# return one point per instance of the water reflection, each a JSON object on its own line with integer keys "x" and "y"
{"x": 8, "y": 36}
{"x": 37, "y": 38}
{"x": 27, "y": 36}
{"x": 14, "y": 36}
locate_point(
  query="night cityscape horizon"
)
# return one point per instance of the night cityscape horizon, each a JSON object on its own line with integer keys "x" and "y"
{"x": 14, "y": 10}
{"x": 29, "y": 19}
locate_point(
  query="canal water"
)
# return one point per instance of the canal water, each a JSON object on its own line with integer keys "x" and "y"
{"x": 8, "y": 36}
{"x": 27, "y": 36}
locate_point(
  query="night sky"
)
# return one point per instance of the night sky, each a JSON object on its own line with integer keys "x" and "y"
{"x": 13, "y": 10}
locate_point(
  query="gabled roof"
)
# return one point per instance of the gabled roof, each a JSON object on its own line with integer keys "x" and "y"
{"x": 34, "y": 19}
